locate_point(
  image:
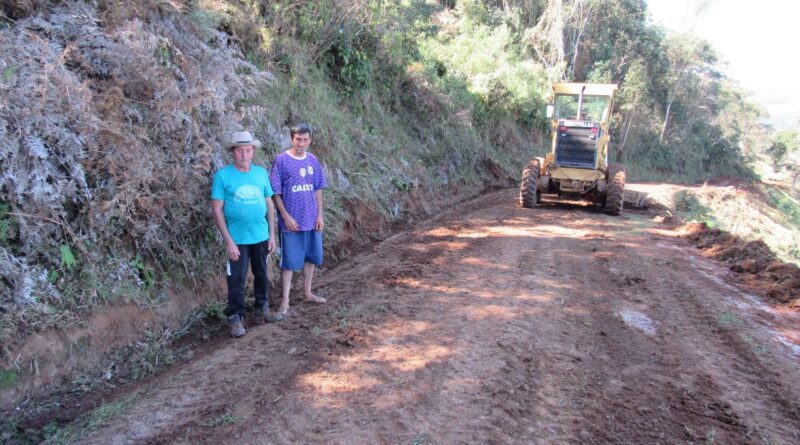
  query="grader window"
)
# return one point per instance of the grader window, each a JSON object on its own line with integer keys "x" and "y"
{"x": 591, "y": 110}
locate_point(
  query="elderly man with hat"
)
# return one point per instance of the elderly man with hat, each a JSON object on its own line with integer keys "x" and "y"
{"x": 241, "y": 203}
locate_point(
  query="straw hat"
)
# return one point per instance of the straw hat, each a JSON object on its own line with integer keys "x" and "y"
{"x": 239, "y": 138}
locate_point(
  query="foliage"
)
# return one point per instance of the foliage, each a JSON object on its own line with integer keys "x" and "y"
{"x": 7, "y": 225}
{"x": 67, "y": 257}
{"x": 788, "y": 206}
{"x": 8, "y": 378}
{"x": 693, "y": 210}
{"x": 157, "y": 351}
{"x": 226, "y": 418}
{"x": 501, "y": 83}
{"x": 53, "y": 434}
{"x": 107, "y": 143}
{"x": 763, "y": 212}
{"x": 786, "y": 145}
{"x": 784, "y": 154}
{"x": 677, "y": 116}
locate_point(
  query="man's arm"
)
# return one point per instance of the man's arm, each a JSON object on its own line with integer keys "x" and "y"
{"x": 288, "y": 221}
{"x": 219, "y": 220}
{"x": 320, "y": 222}
{"x": 271, "y": 223}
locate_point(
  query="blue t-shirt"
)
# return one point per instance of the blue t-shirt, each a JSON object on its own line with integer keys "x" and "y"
{"x": 244, "y": 198}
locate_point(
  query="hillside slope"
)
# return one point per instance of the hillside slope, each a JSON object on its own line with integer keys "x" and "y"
{"x": 112, "y": 116}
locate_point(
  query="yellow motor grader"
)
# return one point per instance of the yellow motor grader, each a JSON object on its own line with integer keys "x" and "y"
{"x": 577, "y": 165}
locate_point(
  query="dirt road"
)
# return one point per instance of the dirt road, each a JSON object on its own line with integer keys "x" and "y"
{"x": 497, "y": 324}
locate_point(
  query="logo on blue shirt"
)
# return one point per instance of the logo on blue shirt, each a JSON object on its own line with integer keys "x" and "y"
{"x": 248, "y": 194}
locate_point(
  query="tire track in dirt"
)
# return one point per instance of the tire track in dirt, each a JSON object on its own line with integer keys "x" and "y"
{"x": 673, "y": 372}
{"x": 491, "y": 324}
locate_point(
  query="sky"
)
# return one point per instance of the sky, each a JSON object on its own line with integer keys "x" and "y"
{"x": 757, "y": 42}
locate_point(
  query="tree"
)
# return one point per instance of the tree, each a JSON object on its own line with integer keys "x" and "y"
{"x": 546, "y": 39}
{"x": 580, "y": 15}
{"x": 632, "y": 100}
{"x": 785, "y": 154}
{"x": 690, "y": 60}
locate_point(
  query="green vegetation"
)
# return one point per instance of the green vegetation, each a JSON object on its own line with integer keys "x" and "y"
{"x": 785, "y": 154}
{"x": 418, "y": 440}
{"x": 67, "y": 257}
{"x": 758, "y": 212}
{"x": 159, "y": 350}
{"x": 56, "y": 435}
{"x": 786, "y": 204}
{"x": 692, "y": 210}
{"x": 6, "y": 223}
{"x": 226, "y": 418}
{"x": 728, "y": 319}
{"x": 147, "y": 274}
{"x": 755, "y": 346}
{"x": 8, "y": 378}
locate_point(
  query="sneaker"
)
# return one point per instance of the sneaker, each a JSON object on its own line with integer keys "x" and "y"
{"x": 272, "y": 316}
{"x": 259, "y": 317}
{"x": 269, "y": 316}
{"x": 237, "y": 328}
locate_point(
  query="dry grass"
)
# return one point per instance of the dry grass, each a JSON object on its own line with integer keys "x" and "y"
{"x": 110, "y": 125}
{"x": 751, "y": 213}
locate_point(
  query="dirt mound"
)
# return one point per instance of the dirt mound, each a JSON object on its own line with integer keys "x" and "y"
{"x": 723, "y": 180}
{"x": 755, "y": 263}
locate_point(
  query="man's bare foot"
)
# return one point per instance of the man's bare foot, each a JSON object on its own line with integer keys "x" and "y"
{"x": 283, "y": 308}
{"x": 311, "y": 298}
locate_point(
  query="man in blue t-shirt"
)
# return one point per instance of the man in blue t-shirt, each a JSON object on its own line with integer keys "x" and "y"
{"x": 241, "y": 203}
{"x": 298, "y": 179}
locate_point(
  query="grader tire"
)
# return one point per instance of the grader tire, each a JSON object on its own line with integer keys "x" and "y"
{"x": 529, "y": 194}
{"x": 615, "y": 192}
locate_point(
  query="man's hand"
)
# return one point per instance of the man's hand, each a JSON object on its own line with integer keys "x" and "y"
{"x": 271, "y": 245}
{"x": 233, "y": 251}
{"x": 319, "y": 224}
{"x": 290, "y": 223}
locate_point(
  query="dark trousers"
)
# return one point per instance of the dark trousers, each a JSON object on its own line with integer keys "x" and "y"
{"x": 256, "y": 256}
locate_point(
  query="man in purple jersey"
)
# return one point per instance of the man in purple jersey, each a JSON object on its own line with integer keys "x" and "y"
{"x": 297, "y": 182}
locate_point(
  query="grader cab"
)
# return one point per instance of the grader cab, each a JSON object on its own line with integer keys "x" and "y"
{"x": 577, "y": 165}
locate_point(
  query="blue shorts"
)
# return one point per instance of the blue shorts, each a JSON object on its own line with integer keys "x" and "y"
{"x": 299, "y": 247}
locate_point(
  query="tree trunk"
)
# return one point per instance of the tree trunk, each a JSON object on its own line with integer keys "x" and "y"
{"x": 666, "y": 117}
{"x": 670, "y": 100}
{"x": 578, "y": 34}
{"x": 626, "y": 128}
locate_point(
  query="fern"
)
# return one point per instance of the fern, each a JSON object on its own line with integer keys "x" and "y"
{"x": 36, "y": 147}
{"x": 38, "y": 24}
{"x": 103, "y": 145}
{"x": 23, "y": 294}
{"x": 9, "y": 146}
